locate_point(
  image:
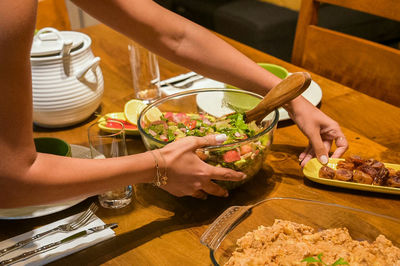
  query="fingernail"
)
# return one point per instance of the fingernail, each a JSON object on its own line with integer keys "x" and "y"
{"x": 220, "y": 138}
{"x": 226, "y": 194}
{"x": 244, "y": 176}
{"x": 323, "y": 159}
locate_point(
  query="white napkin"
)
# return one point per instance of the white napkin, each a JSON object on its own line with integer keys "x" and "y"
{"x": 62, "y": 250}
{"x": 199, "y": 84}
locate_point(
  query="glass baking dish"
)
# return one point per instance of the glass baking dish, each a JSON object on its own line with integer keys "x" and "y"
{"x": 236, "y": 221}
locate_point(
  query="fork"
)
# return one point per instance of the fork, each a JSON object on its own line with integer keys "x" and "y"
{"x": 185, "y": 83}
{"x": 75, "y": 224}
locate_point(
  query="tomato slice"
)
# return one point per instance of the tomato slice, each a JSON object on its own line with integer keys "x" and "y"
{"x": 231, "y": 156}
{"x": 191, "y": 124}
{"x": 127, "y": 125}
{"x": 169, "y": 116}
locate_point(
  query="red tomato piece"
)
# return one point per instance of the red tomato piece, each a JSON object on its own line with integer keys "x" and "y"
{"x": 191, "y": 124}
{"x": 169, "y": 116}
{"x": 245, "y": 149}
{"x": 113, "y": 125}
{"x": 231, "y": 156}
{"x": 127, "y": 125}
{"x": 180, "y": 117}
{"x": 130, "y": 126}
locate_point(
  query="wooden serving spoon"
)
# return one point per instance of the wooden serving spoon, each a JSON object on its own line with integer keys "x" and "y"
{"x": 285, "y": 91}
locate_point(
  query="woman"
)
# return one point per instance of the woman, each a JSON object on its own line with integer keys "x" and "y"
{"x": 26, "y": 177}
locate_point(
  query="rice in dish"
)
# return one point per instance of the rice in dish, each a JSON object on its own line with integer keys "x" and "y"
{"x": 289, "y": 243}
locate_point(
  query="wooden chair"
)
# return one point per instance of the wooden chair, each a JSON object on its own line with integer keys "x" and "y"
{"x": 52, "y": 13}
{"x": 364, "y": 65}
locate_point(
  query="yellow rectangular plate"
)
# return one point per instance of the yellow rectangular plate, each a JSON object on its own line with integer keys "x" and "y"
{"x": 311, "y": 171}
{"x": 120, "y": 116}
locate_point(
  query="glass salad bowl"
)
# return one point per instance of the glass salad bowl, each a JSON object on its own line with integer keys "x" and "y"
{"x": 195, "y": 112}
{"x": 222, "y": 235}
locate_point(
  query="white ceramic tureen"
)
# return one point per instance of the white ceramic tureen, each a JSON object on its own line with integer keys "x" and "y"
{"x": 66, "y": 78}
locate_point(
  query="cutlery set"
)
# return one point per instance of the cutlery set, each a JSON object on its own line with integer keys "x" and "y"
{"x": 182, "y": 81}
{"x": 83, "y": 219}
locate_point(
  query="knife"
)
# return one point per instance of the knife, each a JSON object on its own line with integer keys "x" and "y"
{"x": 53, "y": 245}
{"x": 177, "y": 79}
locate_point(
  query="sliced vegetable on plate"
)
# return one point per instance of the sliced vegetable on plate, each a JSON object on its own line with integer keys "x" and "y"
{"x": 111, "y": 126}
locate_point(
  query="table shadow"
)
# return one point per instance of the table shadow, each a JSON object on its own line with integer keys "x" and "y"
{"x": 188, "y": 212}
{"x": 370, "y": 194}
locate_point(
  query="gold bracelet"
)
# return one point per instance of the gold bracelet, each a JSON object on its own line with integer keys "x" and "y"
{"x": 164, "y": 177}
{"x": 159, "y": 179}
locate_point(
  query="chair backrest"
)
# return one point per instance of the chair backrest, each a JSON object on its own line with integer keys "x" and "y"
{"x": 52, "y": 13}
{"x": 366, "y": 66}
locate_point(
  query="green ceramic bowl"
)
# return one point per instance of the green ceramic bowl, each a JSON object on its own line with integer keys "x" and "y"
{"x": 241, "y": 104}
{"x": 278, "y": 71}
{"x": 52, "y": 146}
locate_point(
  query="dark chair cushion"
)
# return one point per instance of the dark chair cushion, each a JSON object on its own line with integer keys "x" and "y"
{"x": 271, "y": 28}
{"x": 359, "y": 24}
{"x": 199, "y": 11}
{"x": 264, "y": 26}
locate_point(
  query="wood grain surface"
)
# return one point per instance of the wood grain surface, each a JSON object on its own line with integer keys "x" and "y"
{"x": 160, "y": 229}
{"x": 355, "y": 62}
{"x": 52, "y": 13}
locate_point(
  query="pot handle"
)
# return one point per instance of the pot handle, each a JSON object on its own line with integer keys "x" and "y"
{"x": 66, "y": 44}
{"x": 39, "y": 36}
{"x": 91, "y": 66}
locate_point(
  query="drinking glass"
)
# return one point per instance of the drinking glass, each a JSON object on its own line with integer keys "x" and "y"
{"x": 110, "y": 145}
{"x": 145, "y": 73}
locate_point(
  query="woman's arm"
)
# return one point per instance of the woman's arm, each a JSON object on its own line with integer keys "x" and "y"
{"x": 30, "y": 178}
{"x": 194, "y": 47}
{"x": 181, "y": 41}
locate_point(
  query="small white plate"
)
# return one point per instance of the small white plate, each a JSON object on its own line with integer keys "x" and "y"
{"x": 77, "y": 151}
{"x": 313, "y": 94}
{"x": 211, "y": 105}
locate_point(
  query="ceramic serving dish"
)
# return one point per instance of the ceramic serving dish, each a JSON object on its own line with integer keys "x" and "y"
{"x": 311, "y": 171}
{"x": 236, "y": 221}
{"x": 67, "y": 81}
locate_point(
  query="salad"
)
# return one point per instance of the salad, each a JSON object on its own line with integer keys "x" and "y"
{"x": 238, "y": 154}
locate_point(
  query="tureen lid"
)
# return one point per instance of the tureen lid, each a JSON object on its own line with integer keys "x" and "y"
{"x": 49, "y": 41}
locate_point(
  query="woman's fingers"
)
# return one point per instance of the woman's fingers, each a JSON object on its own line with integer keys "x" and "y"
{"x": 200, "y": 194}
{"x": 341, "y": 146}
{"x": 220, "y": 173}
{"x": 304, "y": 153}
{"x": 213, "y": 189}
{"x": 319, "y": 148}
{"x": 308, "y": 157}
{"x": 199, "y": 142}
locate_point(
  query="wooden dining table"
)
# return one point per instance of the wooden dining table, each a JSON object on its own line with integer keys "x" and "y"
{"x": 160, "y": 229}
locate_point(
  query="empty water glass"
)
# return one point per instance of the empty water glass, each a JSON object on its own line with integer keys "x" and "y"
{"x": 110, "y": 145}
{"x": 145, "y": 73}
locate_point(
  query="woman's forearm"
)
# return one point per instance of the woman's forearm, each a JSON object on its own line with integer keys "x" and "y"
{"x": 181, "y": 41}
{"x": 51, "y": 178}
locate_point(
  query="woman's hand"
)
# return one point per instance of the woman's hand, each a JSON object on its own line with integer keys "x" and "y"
{"x": 319, "y": 128}
{"x": 188, "y": 175}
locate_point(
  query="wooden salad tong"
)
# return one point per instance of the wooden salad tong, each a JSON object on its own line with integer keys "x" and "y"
{"x": 288, "y": 89}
